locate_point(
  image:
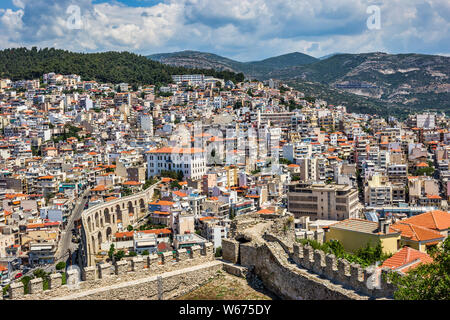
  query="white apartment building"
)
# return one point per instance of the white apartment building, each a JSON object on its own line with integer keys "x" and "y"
{"x": 192, "y": 78}
{"x": 146, "y": 122}
{"x": 426, "y": 121}
{"x": 295, "y": 151}
{"x": 190, "y": 161}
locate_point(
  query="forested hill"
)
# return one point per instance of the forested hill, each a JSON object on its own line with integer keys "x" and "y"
{"x": 113, "y": 67}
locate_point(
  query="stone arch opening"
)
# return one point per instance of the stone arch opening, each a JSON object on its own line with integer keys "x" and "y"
{"x": 97, "y": 224}
{"x": 130, "y": 207}
{"x": 109, "y": 234}
{"x": 93, "y": 246}
{"x": 107, "y": 216}
{"x": 142, "y": 204}
{"x": 119, "y": 214}
{"x": 89, "y": 223}
{"x": 100, "y": 240}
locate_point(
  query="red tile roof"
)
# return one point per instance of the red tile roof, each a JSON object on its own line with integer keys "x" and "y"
{"x": 265, "y": 211}
{"x": 180, "y": 194}
{"x": 407, "y": 259}
{"x": 436, "y": 220}
{"x": 157, "y": 231}
{"x": 415, "y": 232}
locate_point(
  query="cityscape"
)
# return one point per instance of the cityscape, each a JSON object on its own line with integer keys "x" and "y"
{"x": 190, "y": 176}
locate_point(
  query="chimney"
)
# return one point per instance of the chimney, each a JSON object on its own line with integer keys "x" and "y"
{"x": 386, "y": 227}
{"x": 381, "y": 223}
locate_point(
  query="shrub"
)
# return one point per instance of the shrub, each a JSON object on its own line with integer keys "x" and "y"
{"x": 218, "y": 252}
{"x": 60, "y": 265}
{"x": 119, "y": 255}
{"x": 5, "y": 289}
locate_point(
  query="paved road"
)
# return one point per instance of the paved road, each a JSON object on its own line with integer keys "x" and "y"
{"x": 66, "y": 235}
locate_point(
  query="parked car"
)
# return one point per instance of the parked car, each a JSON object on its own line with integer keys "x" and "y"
{"x": 20, "y": 274}
{"x": 5, "y": 282}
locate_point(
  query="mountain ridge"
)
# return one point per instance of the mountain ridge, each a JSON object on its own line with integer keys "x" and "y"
{"x": 413, "y": 81}
{"x": 256, "y": 69}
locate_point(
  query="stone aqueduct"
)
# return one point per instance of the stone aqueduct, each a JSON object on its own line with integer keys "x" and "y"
{"x": 100, "y": 222}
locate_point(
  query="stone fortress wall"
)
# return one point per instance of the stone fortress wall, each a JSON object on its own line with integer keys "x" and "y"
{"x": 288, "y": 269}
{"x": 162, "y": 276}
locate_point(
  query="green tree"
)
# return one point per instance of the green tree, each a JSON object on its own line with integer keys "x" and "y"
{"x": 126, "y": 192}
{"x": 149, "y": 183}
{"x": 427, "y": 281}
{"x": 119, "y": 255}
{"x": 175, "y": 185}
{"x": 218, "y": 252}
{"x": 111, "y": 251}
{"x": 5, "y": 289}
{"x": 130, "y": 227}
{"x": 145, "y": 253}
{"x": 60, "y": 265}
{"x": 428, "y": 171}
{"x": 285, "y": 161}
{"x": 337, "y": 248}
{"x": 26, "y": 281}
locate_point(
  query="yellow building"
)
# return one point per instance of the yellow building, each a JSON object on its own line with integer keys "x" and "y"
{"x": 232, "y": 176}
{"x": 354, "y": 234}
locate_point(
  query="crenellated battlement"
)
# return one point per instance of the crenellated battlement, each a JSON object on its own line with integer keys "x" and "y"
{"x": 369, "y": 281}
{"x": 106, "y": 274}
{"x": 364, "y": 282}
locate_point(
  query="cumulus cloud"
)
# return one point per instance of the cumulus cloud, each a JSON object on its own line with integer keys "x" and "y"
{"x": 240, "y": 29}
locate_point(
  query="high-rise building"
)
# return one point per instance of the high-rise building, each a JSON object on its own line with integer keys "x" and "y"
{"x": 322, "y": 201}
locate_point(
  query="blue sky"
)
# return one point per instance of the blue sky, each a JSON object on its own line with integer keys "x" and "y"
{"x": 240, "y": 29}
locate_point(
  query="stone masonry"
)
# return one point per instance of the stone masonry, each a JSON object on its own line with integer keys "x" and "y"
{"x": 124, "y": 274}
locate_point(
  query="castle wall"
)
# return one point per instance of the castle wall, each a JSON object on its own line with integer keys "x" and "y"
{"x": 129, "y": 279}
{"x": 294, "y": 271}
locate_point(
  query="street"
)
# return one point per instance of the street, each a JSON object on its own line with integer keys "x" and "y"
{"x": 66, "y": 235}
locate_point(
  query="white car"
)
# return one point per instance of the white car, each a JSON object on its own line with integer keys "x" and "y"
{"x": 5, "y": 282}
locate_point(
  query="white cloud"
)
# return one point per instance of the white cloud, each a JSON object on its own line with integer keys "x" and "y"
{"x": 242, "y": 29}
{"x": 18, "y": 4}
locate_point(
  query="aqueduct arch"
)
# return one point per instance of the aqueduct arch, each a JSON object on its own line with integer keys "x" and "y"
{"x": 100, "y": 222}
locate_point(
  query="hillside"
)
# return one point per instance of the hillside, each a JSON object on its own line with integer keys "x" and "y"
{"x": 254, "y": 69}
{"x": 114, "y": 67}
{"x": 406, "y": 82}
{"x": 414, "y": 81}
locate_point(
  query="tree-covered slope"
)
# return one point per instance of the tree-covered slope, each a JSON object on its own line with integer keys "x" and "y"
{"x": 114, "y": 67}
